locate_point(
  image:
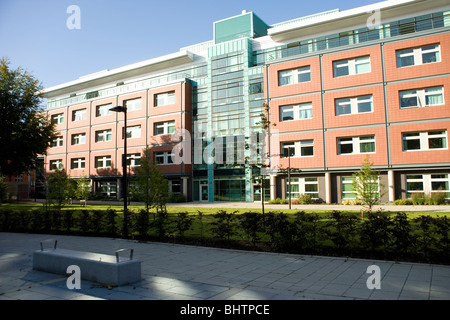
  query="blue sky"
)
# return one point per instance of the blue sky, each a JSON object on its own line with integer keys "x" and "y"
{"x": 114, "y": 33}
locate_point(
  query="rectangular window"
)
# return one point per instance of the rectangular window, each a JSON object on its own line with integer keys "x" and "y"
{"x": 163, "y": 99}
{"x": 58, "y": 118}
{"x": 428, "y": 184}
{"x": 302, "y": 111}
{"x": 294, "y": 76}
{"x": 133, "y": 105}
{"x": 430, "y": 140}
{"x": 79, "y": 138}
{"x": 356, "y": 145}
{"x": 78, "y": 115}
{"x": 56, "y": 164}
{"x": 163, "y": 157}
{"x": 348, "y": 189}
{"x": 303, "y": 148}
{"x": 418, "y": 56}
{"x": 356, "y": 105}
{"x": 303, "y": 186}
{"x": 103, "y": 135}
{"x": 58, "y": 142}
{"x": 166, "y": 127}
{"x": 419, "y": 98}
{"x": 133, "y": 132}
{"x": 108, "y": 189}
{"x": 134, "y": 159}
{"x": 103, "y": 162}
{"x": 78, "y": 163}
{"x": 103, "y": 110}
{"x": 351, "y": 67}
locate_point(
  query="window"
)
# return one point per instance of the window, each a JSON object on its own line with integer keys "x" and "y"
{"x": 356, "y": 145}
{"x": 134, "y": 159}
{"x": 103, "y": 162}
{"x": 348, "y": 190}
{"x": 163, "y": 99}
{"x": 78, "y": 163}
{"x": 133, "y": 132}
{"x": 108, "y": 189}
{"x": 164, "y": 127}
{"x": 303, "y": 186}
{"x": 422, "y": 98}
{"x": 58, "y": 142}
{"x": 296, "y": 112}
{"x": 164, "y": 157}
{"x": 294, "y": 76}
{"x": 103, "y": 135}
{"x": 430, "y": 140}
{"x": 79, "y": 138}
{"x": 78, "y": 115}
{"x": 103, "y": 110}
{"x": 133, "y": 105}
{"x": 418, "y": 56}
{"x": 303, "y": 148}
{"x": 351, "y": 67}
{"x": 58, "y": 118}
{"x": 355, "y": 105}
{"x": 175, "y": 186}
{"x": 427, "y": 184}
{"x": 56, "y": 164}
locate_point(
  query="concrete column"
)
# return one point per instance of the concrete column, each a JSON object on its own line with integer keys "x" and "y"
{"x": 283, "y": 188}
{"x": 327, "y": 187}
{"x": 273, "y": 187}
{"x": 391, "y": 186}
{"x": 185, "y": 186}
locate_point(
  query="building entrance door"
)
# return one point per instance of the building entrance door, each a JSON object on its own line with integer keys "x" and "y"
{"x": 203, "y": 192}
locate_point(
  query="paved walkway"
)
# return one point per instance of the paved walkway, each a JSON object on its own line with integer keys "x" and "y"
{"x": 179, "y": 272}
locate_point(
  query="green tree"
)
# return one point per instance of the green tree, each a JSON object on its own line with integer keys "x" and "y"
{"x": 25, "y": 131}
{"x": 83, "y": 189}
{"x": 367, "y": 185}
{"x": 3, "y": 189}
{"x": 149, "y": 184}
{"x": 60, "y": 187}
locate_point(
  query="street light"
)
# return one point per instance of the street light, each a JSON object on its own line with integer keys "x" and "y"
{"x": 124, "y": 165}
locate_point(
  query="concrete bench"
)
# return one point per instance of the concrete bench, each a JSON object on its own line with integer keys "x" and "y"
{"x": 106, "y": 269}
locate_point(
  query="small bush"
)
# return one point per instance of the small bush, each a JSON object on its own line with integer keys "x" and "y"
{"x": 305, "y": 199}
{"x": 403, "y": 202}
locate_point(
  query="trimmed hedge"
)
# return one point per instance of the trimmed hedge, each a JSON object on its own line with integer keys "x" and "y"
{"x": 379, "y": 235}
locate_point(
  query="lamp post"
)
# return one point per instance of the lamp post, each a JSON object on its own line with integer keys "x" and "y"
{"x": 124, "y": 170}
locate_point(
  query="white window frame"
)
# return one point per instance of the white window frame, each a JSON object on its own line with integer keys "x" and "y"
{"x": 133, "y": 104}
{"x": 165, "y": 158}
{"x": 297, "y": 147}
{"x": 164, "y": 99}
{"x": 58, "y": 142}
{"x": 103, "y": 160}
{"x": 424, "y": 139}
{"x": 78, "y": 138}
{"x": 103, "y": 135}
{"x": 418, "y": 54}
{"x": 103, "y": 110}
{"x": 78, "y": 163}
{"x": 353, "y": 104}
{"x": 421, "y": 97}
{"x": 297, "y": 111}
{"x": 58, "y": 118}
{"x": 356, "y": 143}
{"x": 349, "y": 180}
{"x": 427, "y": 183}
{"x": 352, "y": 66}
{"x": 288, "y": 77}
{"x": 134, "y": 160}
{"x": 79, "y": 115}
{"x": 167, "y": 127}
{"x": 56, "y": 164}
{"x": 134, "y": 132}
{"x": 302, "y": 183}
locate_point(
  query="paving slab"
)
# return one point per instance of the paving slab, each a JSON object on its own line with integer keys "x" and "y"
{"x": 181, "y": 272}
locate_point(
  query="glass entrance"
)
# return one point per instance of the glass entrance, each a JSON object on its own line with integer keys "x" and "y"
{"x": 203, "y": 192}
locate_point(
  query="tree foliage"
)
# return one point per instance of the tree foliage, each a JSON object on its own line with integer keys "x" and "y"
{"x": 25, "y": 131}
{"x": 367, "y": 185}
{"x": 149, "y": 184}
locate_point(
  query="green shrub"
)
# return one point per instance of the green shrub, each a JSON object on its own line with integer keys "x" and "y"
{"x": 305, "y": 198}
{"x": 403, "y": 202}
